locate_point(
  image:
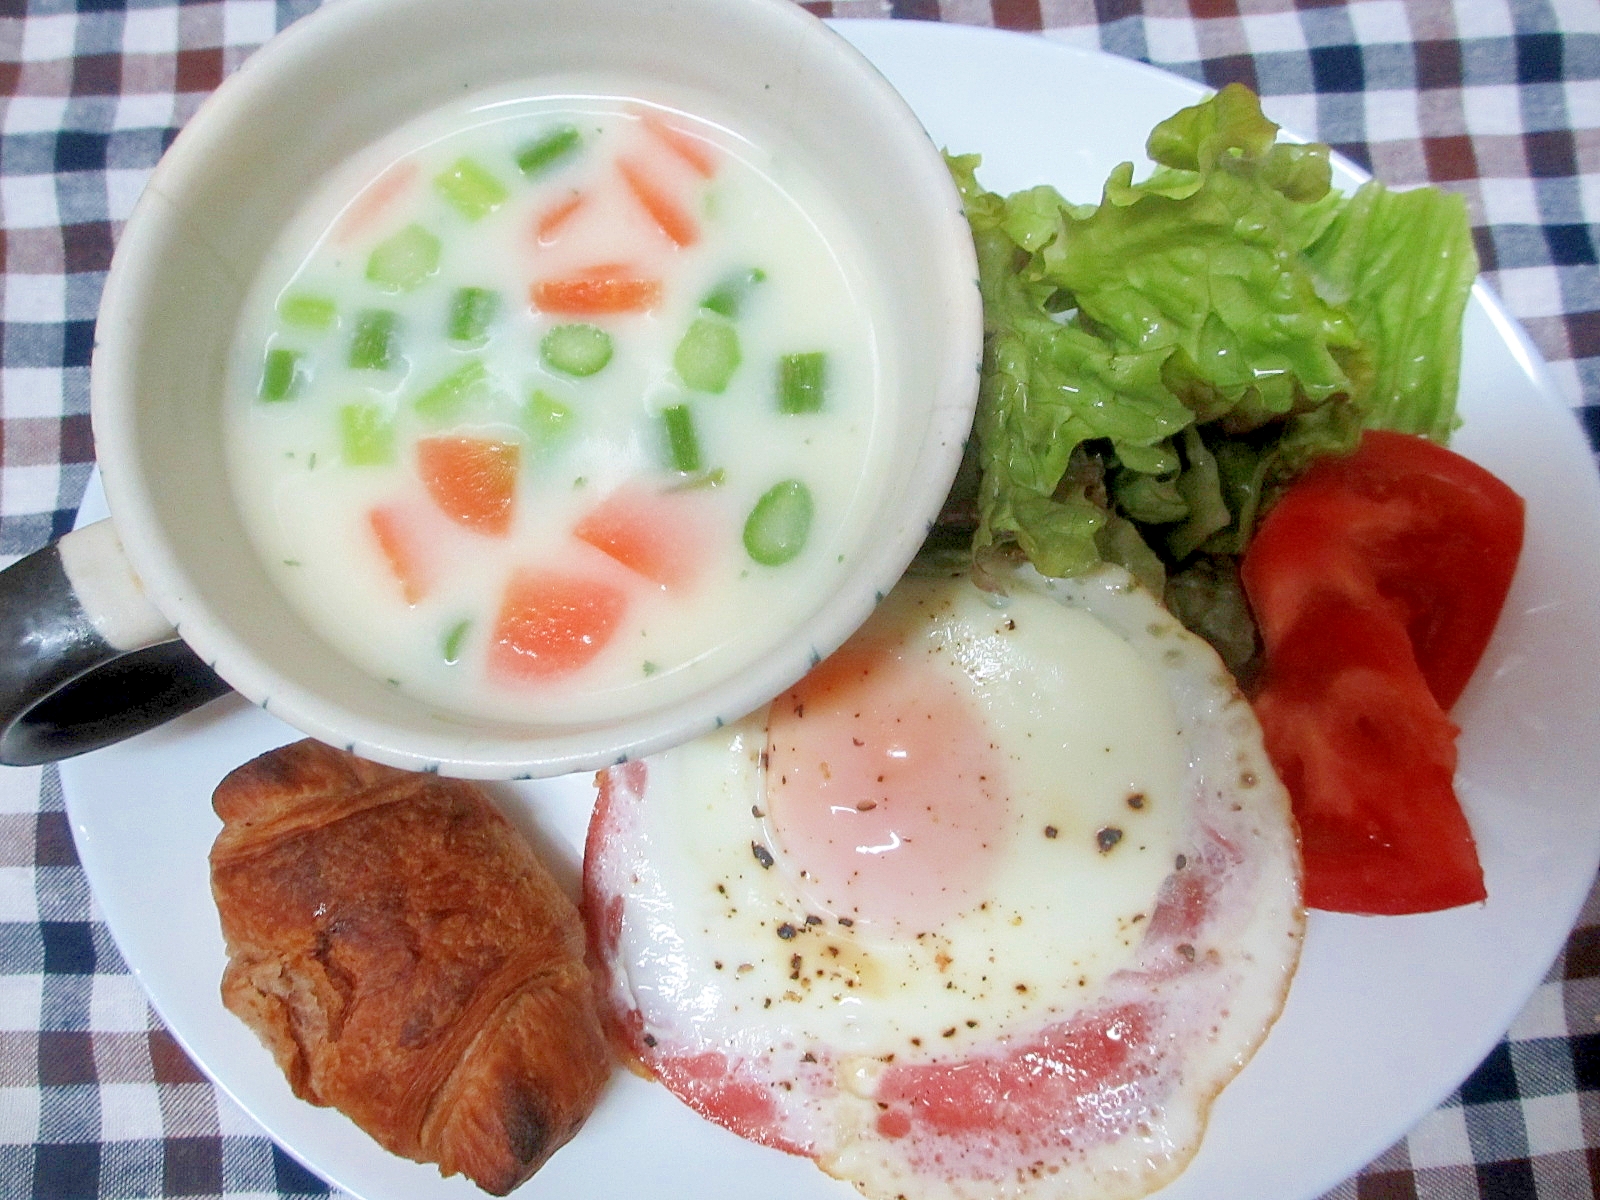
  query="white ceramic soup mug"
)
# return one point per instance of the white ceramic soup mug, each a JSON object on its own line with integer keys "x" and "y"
{"x": 123, "y": 624}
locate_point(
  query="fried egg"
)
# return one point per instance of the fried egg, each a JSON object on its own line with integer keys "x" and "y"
{"x": 993, "y": 903}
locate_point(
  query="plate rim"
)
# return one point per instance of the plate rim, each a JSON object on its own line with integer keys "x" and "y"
{"x": 1518, "y": 343}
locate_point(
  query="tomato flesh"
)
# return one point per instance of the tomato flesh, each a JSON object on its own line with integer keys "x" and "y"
{"x": 1376, "y": 582}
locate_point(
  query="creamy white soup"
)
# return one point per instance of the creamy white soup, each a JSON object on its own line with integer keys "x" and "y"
{"x": 546, "y": 407}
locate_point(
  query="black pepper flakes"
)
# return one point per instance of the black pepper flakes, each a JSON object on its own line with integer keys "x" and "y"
{"x": 1107, "y": 838}
{"x": 787, "y": 931}
{"x": 763, "y": 855}
{"x": 1051, "y": 831}
{"x": 1136, "y": 800}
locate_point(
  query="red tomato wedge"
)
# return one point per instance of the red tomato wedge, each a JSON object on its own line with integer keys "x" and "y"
{"x": 472, "y": 480}
{"x": 1432, "y": 532}
{"x": 402, "y": 549}
{"x": 698, "y": 155}
{"x": 606, "y": 288}
{"x": 552, "y": 623}
{"x": 672, "y": 217}
{"x": 1376, "y": 582}
{"x": 659, "y": 535}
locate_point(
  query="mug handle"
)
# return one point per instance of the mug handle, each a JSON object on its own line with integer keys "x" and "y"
{"x": 85, "y": 658}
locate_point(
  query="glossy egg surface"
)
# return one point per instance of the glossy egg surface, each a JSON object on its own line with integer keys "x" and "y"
{"x": 993, "y": 903}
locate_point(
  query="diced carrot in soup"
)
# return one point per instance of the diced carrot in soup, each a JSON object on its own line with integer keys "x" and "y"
{"x": 552, "y": 623}
{"x": 662, "y": 536}
{"x": 551, "y": 221}
{"x": 472, "y": 480}
{"x": 610, "y": 288}
{"x": 371, "y": 204}
{"x": 699, "y": 155}
{"x": 402, "y": 547}
{"x": 664, "y": 208}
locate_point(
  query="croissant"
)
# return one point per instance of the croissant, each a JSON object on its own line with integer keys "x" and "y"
{"x": 407, "y": 958}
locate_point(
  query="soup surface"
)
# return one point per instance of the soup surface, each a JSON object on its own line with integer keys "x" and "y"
{"x": 548, "y": 408}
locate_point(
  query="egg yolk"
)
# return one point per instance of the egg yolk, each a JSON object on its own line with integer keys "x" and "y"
{"x": 884, "y": 791}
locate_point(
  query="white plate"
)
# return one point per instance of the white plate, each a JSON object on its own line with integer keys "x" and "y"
{"x": 1387, "y": 1014}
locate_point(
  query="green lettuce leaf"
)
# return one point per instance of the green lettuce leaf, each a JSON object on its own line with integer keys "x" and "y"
{"x": 1159, "y": 364}
{"x": 1402, "y": 264}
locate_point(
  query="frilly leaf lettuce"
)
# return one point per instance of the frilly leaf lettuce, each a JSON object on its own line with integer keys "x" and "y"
{"x": 1403, "y": 264}
{"x": 1157, "y": 365}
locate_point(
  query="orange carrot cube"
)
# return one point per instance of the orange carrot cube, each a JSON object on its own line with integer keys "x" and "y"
{"x": 403, "y": 550}
{"x": 657, "y": 535}
{"x": 551, "y": 624}
{"x": 472, "y": 480}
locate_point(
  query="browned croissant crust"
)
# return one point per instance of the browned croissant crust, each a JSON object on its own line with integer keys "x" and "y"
{"x": 407, "y": 959}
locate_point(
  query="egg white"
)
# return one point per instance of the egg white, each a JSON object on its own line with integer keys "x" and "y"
{"x": 1116, "y": 753}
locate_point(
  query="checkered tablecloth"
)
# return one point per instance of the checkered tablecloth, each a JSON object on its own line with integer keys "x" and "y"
{"x": 1496, "y": 99}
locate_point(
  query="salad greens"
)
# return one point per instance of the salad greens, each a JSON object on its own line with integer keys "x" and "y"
{"x": 1159, "y": 365}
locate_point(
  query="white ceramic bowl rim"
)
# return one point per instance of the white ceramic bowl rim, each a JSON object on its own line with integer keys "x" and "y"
{"x": 193, "y": 228}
